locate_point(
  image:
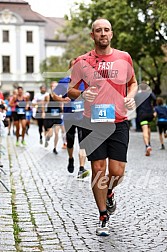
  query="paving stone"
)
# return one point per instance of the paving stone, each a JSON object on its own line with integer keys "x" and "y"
{"x": 53, "y": 205}
{"x": 7, "y": 248}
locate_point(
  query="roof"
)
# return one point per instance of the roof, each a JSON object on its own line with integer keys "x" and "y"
{"x": 53, "y": 28}
{"x": 21, "y": 8}
{"x": 53, "y": 25}
{"x": 12, "y": 1}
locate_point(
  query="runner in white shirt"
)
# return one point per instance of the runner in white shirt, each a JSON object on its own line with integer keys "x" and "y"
{"x": 37, "y": 104}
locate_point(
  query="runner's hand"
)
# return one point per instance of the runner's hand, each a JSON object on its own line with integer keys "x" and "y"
{"x": 66, "y": 100}
{"x": 90, "y": 94}
{"x": 129, "y": 103}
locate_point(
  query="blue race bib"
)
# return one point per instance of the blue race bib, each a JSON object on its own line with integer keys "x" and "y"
{"x": 103, "y": 113}
{"x": 9, "y": 111}
{"x": 20, "y": 111}
{"x": 55, "y": 112}
{"x": 77, "y": 106}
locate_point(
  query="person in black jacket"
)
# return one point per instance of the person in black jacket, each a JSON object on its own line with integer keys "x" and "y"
{"x": 145, "y": 102}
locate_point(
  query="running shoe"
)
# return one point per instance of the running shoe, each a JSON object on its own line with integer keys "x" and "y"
{"x": 23, "y": 142}
{"x": 47, "y": 141}
{"x": 162, "y": 147}
{"x": 83, "y": 173}
{"x": 41, "y": 141}
{"x": 103, "y": 228}
{"x": 148, "y": 150}
{"x": 70, "y": 166}
{"x": 17, "y": 143}
{"x": 55, "y": 151}
{"x": 111, "y": 203}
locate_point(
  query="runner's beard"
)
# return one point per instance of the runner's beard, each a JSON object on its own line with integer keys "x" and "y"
{"x": 102, "y": 45}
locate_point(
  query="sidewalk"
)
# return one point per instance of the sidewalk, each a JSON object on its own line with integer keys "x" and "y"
{"x": 48, "y": 209}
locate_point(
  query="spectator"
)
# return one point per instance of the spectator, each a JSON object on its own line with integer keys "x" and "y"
{"x": 8, "y": 111}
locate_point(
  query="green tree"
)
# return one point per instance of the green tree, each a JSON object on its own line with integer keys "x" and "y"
{"x": 52, "y": 68}
{"x": 139, "y": 27}
{"x": 78, "y": 44}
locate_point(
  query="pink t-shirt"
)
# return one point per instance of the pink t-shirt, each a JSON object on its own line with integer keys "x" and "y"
{"x": 109, "y": 74}
{"x": 13, "y": 108}
{"x": 1, "y": 96}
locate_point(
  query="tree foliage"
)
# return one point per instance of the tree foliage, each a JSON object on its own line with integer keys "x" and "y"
{"x": 52, "y": 67}
{"x": 140, "y": 27}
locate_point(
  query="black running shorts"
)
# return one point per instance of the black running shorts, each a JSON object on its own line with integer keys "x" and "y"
{"x": 162, "y": 127}
{"x": 105, "y": 140}
{"x": 49, "y": 123}
{"x": 18, "y": 117}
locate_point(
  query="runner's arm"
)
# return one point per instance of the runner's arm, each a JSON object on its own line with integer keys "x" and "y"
{"x": 73, "y": 91}
{"x": 131, "y": 92}
{"x": 132, "y": 87}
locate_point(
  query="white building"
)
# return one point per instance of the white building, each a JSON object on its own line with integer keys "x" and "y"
{"x": 26, "y": 39}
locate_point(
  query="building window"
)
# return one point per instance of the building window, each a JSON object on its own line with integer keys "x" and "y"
{"x": 30, "y": 64}
{"x": 29, "y": 36}
{"x": 5, "y": 36}
{"x": 6, "y": 64}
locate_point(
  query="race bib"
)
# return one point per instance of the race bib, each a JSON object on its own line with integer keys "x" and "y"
{"x": 9, "y": 111}
{"x": 103, "y": 113}
{"x": 55, "y": 112}
{"x": 77, "y": 106}
{"x": 20, "y": 111}
{"x": 28, "y": 113}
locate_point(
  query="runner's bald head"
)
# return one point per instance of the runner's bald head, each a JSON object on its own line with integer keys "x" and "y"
{"x": 98, "y": 20}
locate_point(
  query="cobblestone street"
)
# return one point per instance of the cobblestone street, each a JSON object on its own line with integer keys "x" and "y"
{"x": 48, "y": 209}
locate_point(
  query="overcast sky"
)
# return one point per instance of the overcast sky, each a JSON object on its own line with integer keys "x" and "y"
{"x": 53, "y": 8}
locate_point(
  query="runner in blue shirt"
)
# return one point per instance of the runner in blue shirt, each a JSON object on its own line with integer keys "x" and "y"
{"x": 73, "y": 114}
{"x": 161, "y": 114}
